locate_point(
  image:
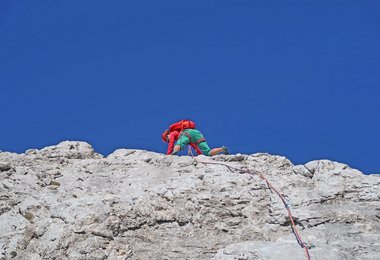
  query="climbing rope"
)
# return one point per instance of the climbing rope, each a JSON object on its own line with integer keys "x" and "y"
{"x": 271, "y": 188}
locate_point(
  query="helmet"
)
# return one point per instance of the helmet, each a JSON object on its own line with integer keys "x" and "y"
{"x": 164, "y": 135}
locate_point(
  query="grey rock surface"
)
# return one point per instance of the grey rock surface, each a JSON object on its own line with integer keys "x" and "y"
{"x": 68, "y": 202}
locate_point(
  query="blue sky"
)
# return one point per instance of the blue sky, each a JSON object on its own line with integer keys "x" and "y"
{"x": 293, "y": 78}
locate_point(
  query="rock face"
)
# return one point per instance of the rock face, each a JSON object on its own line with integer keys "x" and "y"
{"x": 68, "y": 202}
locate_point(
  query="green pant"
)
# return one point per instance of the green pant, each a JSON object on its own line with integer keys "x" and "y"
{"x": 195, "y": 135}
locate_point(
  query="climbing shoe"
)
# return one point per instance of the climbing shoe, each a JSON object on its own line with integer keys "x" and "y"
{"x": 225, "y": 150}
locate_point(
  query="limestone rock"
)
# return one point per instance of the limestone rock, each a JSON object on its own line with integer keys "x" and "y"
{"x": 5, "y": 166}
{"x": 70, "y": 150}
{"x": 302, "y": 170}
{"x": 68, "y": 202}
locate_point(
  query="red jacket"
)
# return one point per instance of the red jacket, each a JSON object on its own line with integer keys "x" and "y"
{"x": 173, "y": 137}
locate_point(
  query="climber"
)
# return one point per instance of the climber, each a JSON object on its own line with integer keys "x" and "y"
{"x": 188, "y": 135}
{"x": 171, "y": 138}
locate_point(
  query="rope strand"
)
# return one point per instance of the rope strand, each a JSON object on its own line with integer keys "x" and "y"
{"x": 271, "y": 188}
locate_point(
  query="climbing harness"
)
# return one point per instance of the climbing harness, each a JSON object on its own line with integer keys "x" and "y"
{"x": 271, "y": 188}
{"x": 191, "y": 139}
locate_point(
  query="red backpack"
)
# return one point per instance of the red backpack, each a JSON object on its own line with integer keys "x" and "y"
{"x": 181, "y": 125}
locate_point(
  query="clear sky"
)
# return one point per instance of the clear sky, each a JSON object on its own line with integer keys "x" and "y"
{"x": 293, "y": 78}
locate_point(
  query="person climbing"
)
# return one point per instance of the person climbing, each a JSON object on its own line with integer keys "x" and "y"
{"x": 188, "y": 135}
{"x": 172, "y": 137}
